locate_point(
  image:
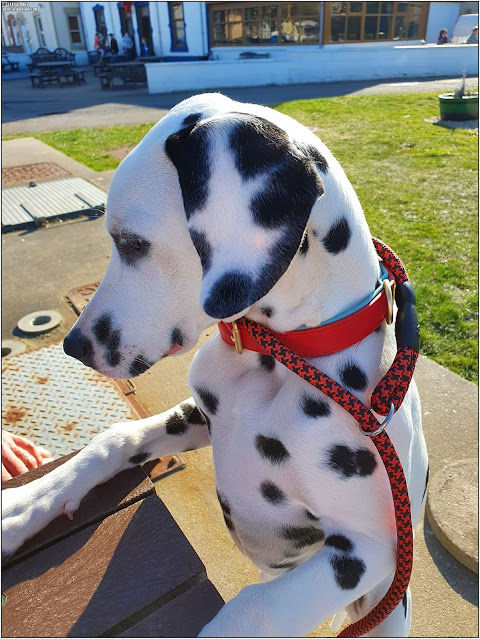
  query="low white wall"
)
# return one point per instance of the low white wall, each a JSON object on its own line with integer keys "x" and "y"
{"x": 331, "y": 63}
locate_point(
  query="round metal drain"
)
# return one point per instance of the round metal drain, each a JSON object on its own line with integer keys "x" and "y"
{"x": 39, "y": 322}
{"x": 12, "y": 347}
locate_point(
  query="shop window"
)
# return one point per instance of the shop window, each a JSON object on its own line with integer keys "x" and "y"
{"x": 374, "y": 21}
{"x": 249, "y": 24}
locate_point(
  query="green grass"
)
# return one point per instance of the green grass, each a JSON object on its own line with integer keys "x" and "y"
{"x": 417, "y": 184}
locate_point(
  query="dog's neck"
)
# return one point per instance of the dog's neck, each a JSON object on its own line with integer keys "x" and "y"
{"x": 321, "y": 283}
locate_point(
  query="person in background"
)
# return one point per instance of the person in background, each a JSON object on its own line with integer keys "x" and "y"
{"x": 127, "y": 44}
{"x": 99, "y": 44}
{"x": 113, "y": 44}
{"x": 473, "y": 37}
{"x": 144, "y": 48}
{"x": 19, "y": 455}
{"x": 442, "y": 37}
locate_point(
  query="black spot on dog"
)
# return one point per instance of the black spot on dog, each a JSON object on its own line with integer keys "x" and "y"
{"x": 189, "y": 151}
{"x": 315, "y": 407}
{"x": 139, "y": 458}
{"x": 348, "y": 571}
{"x": 288, "y": 198}
{"x": 230, "y": 294}
{"x": 131, "y": 247}
{"x": 203, "y": 248}
{"x": 193, "y": 118}
{"x": 192, "y": 415}
{"x": 139, "y": 365}
{"x": 102, "y": 328}
{"x": 303, "y": 535}
{"x": 353, "y": 377}
{"x": 176, "y": 425}
{"x": 223, "y": 504}
{"x": 272, "y": 493}
{"x": 313, "y": 154}
{"x": 303, "y": 250}
{"x": 349, "y": 462}
{"x": 405, "y": 604}
{"x": 177, "y": 337}
{"x": 426, "y": 482}
{"x": 272, "y": 449}
{"x": 338, "y": 237}
{"x": 266, "y": 310}
{"x": 267, "y": 362}
{"x": 284, "y": 565}
{"x": 113, "y": 341}
{"x": 209, "y": 400}
{"x": 339, "y": 542}
{"x": 113, "y": 358}
{"x": 257, "y": 145}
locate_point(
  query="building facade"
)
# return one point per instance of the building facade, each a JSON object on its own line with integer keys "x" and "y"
{"x": 204, "y": 45}
{"x": 43, "y": 24}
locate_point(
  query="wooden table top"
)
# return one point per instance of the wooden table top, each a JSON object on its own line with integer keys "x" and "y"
{"x": 122, "y": 567}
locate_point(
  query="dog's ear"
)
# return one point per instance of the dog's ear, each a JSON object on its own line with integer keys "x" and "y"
{"x": 248, "y": 193}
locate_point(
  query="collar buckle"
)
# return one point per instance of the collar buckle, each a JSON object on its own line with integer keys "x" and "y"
{"x": 387, "y": 285}
{"x": 236, "y": 338}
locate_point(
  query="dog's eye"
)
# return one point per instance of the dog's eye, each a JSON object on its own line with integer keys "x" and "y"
{"x": 130, "y": 246}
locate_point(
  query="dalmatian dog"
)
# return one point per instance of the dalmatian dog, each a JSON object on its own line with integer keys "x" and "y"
{"x": 227, "y": 210}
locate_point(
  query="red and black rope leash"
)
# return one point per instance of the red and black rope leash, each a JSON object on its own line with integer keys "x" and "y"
{"x": 387, "y": 396}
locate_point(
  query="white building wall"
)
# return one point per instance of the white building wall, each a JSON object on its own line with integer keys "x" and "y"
{"x": 442, "y": 15}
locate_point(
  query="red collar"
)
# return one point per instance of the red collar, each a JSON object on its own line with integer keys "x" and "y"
{"x": 325, "y": 339}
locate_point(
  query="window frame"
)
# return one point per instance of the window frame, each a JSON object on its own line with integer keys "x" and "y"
{"x": 80, "y": 44}
{"x": 173, "y": 28}
{"x": 422, "y": 27}
{"x": 224, "y": 6}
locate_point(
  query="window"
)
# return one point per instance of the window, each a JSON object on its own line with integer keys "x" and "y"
{"x": 74, "y": 27}
{"x": 177, "y": 26}
{"x": 100, "y": 24}
{"x": 374, "y": 21}
{"x": 269, "y": 23}
{"x": 40, "y": 31}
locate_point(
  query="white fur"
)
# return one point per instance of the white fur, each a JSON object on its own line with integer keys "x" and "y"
{"x": 168, "y": 290}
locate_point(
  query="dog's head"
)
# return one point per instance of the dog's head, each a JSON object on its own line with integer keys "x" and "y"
{"x": 204, "y": 222}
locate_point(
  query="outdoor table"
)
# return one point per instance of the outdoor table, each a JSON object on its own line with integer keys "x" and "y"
{"x": 58, "y": 64}
{"x": 150, "y": 58}
{"x": 121, "y": 568}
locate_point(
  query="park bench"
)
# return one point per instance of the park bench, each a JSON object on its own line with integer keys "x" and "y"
{"x": 71, "y": 75}
{"x": 122, "y": 567}
{"x": 44, "y": 55}
{"x": 7, "y": 64}
{"x": 126, "y": 73}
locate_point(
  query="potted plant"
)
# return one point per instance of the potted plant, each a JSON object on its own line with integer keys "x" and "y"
{"x": 460, "y": 105}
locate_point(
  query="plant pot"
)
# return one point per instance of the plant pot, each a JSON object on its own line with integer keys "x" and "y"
{"x": 452, "y": 108}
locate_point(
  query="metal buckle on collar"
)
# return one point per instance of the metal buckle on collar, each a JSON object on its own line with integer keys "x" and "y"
{"x": 383, "y": 425}
{"x": 387, "y": 285}
{"x": 236, "y": 338}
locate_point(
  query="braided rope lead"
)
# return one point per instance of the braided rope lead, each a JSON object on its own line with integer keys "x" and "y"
{"x": 393, "y": 466}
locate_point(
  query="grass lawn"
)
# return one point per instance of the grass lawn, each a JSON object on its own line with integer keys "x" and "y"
{"x": 417, "y": 183}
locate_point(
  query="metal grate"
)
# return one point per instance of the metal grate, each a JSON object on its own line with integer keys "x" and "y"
{"x": 26, "y": 204}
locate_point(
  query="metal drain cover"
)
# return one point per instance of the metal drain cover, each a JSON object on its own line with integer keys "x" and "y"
{"x": 23, "y": 205}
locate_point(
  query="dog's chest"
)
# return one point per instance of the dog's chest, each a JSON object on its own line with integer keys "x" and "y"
{"x": 290, "y": 465}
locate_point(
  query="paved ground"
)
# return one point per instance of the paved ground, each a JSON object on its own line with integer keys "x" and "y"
{"x": 31, "y": 110}
{"x": 40, "y": 266}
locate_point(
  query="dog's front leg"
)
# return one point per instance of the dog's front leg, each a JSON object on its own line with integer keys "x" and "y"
{"x": 29, "y": 508}
{"x": 292, "y": 605}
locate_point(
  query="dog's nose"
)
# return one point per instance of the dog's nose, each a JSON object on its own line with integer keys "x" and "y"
{"x": 77, "y": 345}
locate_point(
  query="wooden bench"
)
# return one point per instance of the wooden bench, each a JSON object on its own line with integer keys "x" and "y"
{"x": 41, "y": 77}
{"x": 122, "y": 567}
{"x": 125, "y": 73}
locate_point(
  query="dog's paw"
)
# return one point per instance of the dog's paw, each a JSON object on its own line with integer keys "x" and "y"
{"x": 243, "y": 616}
{"x": 27, "y": 509}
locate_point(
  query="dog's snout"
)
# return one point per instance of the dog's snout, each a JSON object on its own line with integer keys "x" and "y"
{"x": 77, "y": 345}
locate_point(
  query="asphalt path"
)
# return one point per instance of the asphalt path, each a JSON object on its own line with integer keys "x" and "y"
{"x": 34, "y": 110}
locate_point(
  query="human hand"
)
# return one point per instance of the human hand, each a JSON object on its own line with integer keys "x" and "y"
{"x": 19, "y": 455}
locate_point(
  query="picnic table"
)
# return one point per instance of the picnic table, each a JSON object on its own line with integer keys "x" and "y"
{"x": 122, "y": 567}
{"x": 54, "y": 70}
{"x": 128, "y": 72}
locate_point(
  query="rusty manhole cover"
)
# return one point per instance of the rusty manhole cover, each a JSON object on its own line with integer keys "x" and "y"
{"x": 78, "y": 298}
{"x": 32, "y": 172}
